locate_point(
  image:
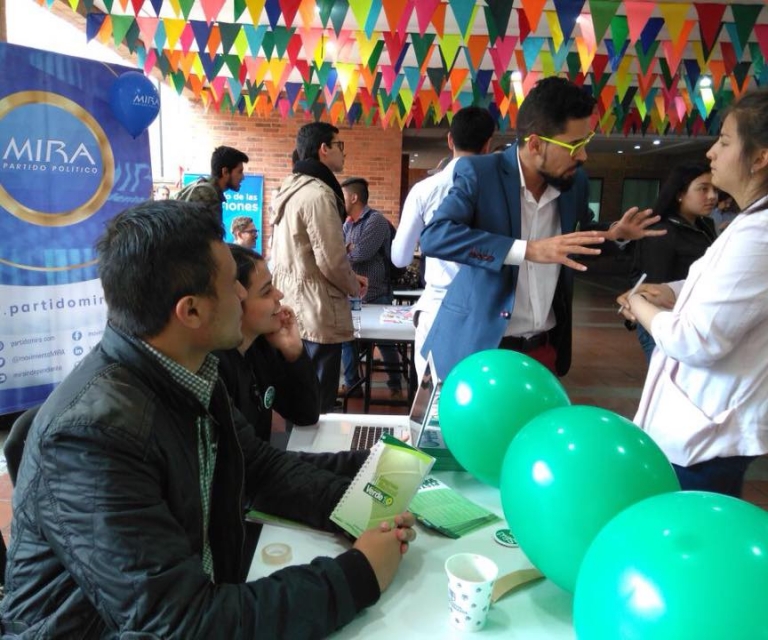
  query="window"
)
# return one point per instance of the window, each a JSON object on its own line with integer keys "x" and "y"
{"x": 639, "y": 193}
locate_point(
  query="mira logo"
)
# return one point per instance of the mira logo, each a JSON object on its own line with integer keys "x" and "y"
{"x": 47, "y": 151}
{"x": 146, "y": 101}
{"x": 56, "y": 164}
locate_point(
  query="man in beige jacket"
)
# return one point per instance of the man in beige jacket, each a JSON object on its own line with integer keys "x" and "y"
{"x": 309, "y": 257}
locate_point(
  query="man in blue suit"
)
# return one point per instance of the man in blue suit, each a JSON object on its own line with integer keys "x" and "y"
{"x": 510, "y": 220}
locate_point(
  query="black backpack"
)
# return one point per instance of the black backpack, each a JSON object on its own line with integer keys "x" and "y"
{"x": 395, "y": 273}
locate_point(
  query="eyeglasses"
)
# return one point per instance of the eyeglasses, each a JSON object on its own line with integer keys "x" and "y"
{"x": 572, "y": 148}
{"x": 252, "y": 232}
{"x": 338, "y": 143}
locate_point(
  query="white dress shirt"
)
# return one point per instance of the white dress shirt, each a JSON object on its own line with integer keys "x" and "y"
{"x": 536, "y": 283}
{"x": 420, "y": 205}
{"x": 706, "y": 394}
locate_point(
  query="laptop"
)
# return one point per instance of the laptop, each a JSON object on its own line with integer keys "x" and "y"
{"x": 340, "y": 432}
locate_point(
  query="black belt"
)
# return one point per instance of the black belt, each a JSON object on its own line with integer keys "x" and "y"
{"x": 524, "y": 345}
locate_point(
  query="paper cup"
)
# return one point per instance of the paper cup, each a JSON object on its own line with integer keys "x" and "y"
{"x": 470, "y": 582}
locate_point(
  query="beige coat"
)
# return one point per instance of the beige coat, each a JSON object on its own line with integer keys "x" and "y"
{"x": 309, "y": 259}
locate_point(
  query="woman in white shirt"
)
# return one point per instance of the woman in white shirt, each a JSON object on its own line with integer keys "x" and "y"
{"x": 705, "y": 400}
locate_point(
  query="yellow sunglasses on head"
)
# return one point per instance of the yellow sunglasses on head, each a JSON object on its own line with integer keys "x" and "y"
{"x": 572, "y": 148}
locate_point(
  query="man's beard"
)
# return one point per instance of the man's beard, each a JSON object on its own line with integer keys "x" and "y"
{"x": 561, "y": 183}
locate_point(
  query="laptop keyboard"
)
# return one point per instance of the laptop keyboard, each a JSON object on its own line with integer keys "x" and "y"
{"x": 364, "y": 437}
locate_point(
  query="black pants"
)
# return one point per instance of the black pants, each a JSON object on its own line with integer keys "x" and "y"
{"x": 721, "y": 475}
{"x": 326, "y": 359}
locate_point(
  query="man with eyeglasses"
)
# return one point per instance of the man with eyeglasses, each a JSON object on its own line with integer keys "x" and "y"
{"x": 244, "y": 231}
{"x": 309, "y": 255}
{"x": 511, "y": 221}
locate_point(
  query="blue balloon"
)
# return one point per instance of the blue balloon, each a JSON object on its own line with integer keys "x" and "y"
{"x": 134, "y": 101}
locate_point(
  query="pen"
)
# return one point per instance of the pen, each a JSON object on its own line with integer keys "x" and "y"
{"x": 634, "y": 289}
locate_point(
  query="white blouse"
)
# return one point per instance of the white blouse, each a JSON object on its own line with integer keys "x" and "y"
{"x": 706, "y": 394}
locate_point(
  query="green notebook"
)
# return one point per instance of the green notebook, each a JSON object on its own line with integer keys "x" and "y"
{"x": 445, "y": 510}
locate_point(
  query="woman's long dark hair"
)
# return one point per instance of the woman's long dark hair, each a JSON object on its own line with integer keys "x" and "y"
{"x": 680, "y": 178}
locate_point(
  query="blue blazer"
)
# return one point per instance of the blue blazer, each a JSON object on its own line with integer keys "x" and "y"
{"x": 475, "y": 226}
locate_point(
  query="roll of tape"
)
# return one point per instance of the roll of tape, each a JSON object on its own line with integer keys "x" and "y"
{"x": 276, "y": 553}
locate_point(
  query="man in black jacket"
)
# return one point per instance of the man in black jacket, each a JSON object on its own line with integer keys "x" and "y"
{"x": 128, "y": 503}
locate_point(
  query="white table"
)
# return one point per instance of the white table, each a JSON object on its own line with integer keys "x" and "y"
{"x": 370, "y": 330}
{"x": 416, "y": 604}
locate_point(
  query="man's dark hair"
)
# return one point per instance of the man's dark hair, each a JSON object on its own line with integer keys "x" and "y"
{"x": 151, "y": 256}
{"x": 225, "y": 158}
{"x": 311, "y": 136}
{"x": 549, "y": 106}
{"x": 471, "y": 128}
{"x": 358, "y": 186}
{"x": 246, "y": 260}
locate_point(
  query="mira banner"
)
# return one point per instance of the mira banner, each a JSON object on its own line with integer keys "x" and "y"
{"x": 67, "y": 166}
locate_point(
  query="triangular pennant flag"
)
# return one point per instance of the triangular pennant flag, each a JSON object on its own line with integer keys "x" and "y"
{"x": 602, "y": 12}
{"x": 567, "y": 12}
{"x": 437, "y": 77}
{"x": 615, "y": 56}
{"x": 438, "y": 19}
{"x": 522, "y": 25}
{"x": 457, "y": 78}
{"x": 201, "y": 31}
{"x": 373, "y": 16}
{"x": 173, "y": 30}
{"x": 120, "y": 26}
{"x": 574, "y": 68}
{"x": 187, "y": 39}
{"x": 717, "y": 69}
{"x": 393, "y": 9}
{"x": 94, "y": 23}
{"x": 235, "y": 67}
{"x": 186, "y": 7}
{"x": 360, "y": 10}
{"x": 211, "y": 9}
{"x": 741, "y": 76}
{"x": 646, "y": 58}
{"x": 464, "y": 13}
{"x": 425, "y": 10}
{"x": 531, "y": 48}
{"x": 214, "y": 40}
{"x": 744, "y": 19}
{"x": 274, "y": 10}
{"x": 761, "y": 32}
{"x": 560, "y": 55}
{"x": 241, "y": 43}
{"x": 674, "y": 15}
{"x": 422, "y": 45}
{"x": 650, "y": 32}
{"x": 156, "y": 5}
{"x": 289, "y": 9}
{"x": 147, "y": 29}
{"x": 533, "y": 9}
{"x": 622, "y": 77}
{"x": 710, "y": 24}
{"x": 449, "y": 46}
{"x": 338, "y": 14}
{"x": 554, "y": 29}
{"x": 414, "y": 77}
{"x": 282, "y": 36}
{"x": 475, "y": 50}
{"x": 255, "y": 36}
{"x": 729, "y": 56}
{"x": 586, "y": 54}
{"x": 294, "y": 48}
{"x": 501, "y": 53}
{"x": 396, "y": 47}
{"x": 638, "y": 13}
{"x": 234, "y": 88}
{"x": 692, "y": 72}
{"x": 255, "y": 7}
{"x": 673, "y": 51}
{"x": 483, "y": 81}
{"x": 497, "y": 14}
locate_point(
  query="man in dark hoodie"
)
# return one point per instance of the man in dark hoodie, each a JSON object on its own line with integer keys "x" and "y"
{"x": 129, "y": 499}
{"x": 309, "y": 256}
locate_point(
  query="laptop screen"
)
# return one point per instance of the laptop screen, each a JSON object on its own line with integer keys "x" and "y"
{"x": 424, "y": 403}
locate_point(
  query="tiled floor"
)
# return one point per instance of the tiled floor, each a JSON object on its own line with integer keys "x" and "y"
{"x": 608, "y": 371}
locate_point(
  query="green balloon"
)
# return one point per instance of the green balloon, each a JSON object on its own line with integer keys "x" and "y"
{"x": 566, "y": 474}
{"x": 679, "y": 566}
{"x": 486, "y": 399}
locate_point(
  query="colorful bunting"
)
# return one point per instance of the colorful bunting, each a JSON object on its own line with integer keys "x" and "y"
{"x": 253, "y": 56}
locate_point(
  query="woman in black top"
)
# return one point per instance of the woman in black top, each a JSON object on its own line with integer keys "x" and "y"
{"x": 270, "y": 369}
{"x": 685, "y": 201}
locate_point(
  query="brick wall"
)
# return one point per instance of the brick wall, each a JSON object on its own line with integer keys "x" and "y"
{"x": 371, "y": 152}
